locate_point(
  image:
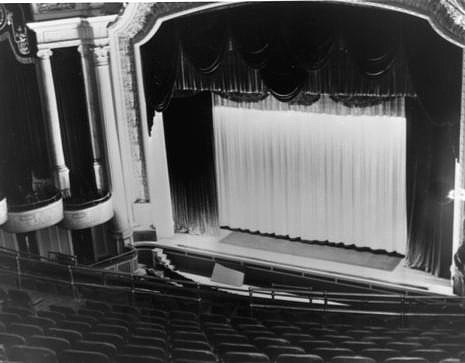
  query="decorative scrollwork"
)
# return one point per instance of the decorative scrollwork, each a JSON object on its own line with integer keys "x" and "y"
{"x": 13, "y": 27}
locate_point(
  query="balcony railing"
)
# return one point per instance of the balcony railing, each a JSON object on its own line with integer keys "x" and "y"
{"x": 87, "y": 213}
{"x": 34, "y": 211}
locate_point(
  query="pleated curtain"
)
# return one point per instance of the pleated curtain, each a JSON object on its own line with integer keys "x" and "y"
{"x": 314, "y": 176}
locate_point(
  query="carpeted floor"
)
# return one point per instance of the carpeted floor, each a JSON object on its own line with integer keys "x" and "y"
{"x": 345, "y": 255}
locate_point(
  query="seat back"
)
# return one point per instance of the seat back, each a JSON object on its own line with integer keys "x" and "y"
{"x": 298, "y": 358}
{"x": 380, "y": 354}
{"x": 194, "y": 354}
{"x": 433, "y": 355}
{"x": 224, "y": 348}
{"x": 191, "y": 344}
{"x": 19, "y": 298}
{"x": 54, "y": 343}
{"x": 100, "y": 347}
{"x": 115, "y": 339}
{"x": 80, "y": 356}
{"x": 331, "y": 352}
{"x": 70, "y": 335}
{"x": 25, "y": 330}
{"x": 273, "y": 351}
{"x": 406, "y": 360}
{"x": 144, "y": 350}
{"x": 352, "y": 359}
{"x": 31, "y": 354}
{"x": 8, "y": 340}
{"x": 245, "y": 357}
{"x": 111, "y": 328}
{"x": 138, "y": 358}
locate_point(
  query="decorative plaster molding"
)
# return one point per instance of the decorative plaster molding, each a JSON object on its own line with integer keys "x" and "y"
{"x": 44, "y": 53}
{"x": 101, "y": 54}
{"x": 88, "y": 217}
{"x": 3, "y": 211}
{"x": 34, "y": 219}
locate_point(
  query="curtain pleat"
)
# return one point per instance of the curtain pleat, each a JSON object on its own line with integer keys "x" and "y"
{"x": 188, "y": 129}
{"x": 314, "y": 176}
{"x": 74, "y": 122}
{"x": 23, "y": 150}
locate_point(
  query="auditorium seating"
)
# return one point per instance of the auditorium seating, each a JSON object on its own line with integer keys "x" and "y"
{"x": 102, "y": 332}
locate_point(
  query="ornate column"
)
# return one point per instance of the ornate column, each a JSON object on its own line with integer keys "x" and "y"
{"x": 92, "y": 114}
{"x": 122, "y": 228}
{"x": 50, "y": 111}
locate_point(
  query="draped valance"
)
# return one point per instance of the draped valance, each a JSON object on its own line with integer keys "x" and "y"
{"x": 278, "y": 50}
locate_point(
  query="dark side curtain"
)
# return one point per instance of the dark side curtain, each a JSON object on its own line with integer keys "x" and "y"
{"x": 23, "y": 144}
{"x": 433, "y": 132}
{"x": 188, "y": 125}
{"x": 69, "y": 86}
{"x": 430, "y": 176}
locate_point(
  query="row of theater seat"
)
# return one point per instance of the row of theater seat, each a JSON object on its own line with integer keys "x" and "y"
{"x": 101, "y": 332}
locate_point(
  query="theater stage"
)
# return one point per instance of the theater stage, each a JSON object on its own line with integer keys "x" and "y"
{"x": 285, "y": 254}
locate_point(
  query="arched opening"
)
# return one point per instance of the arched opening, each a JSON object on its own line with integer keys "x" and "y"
{"x": 345, "y": 55}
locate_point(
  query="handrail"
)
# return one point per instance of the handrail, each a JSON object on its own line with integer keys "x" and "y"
{"x": 108, "y": 260}
{"x": 205, "y": 290}
{"x": 70, "y": 205}
{"x": 16, "y": 207}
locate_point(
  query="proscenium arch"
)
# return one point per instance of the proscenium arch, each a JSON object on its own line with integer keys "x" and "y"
{"x": 140, "y": 22}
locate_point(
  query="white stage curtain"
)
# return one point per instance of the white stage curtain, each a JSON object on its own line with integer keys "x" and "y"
{"x": 317, "y": 176}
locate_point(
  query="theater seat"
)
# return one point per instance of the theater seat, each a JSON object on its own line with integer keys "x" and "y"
{"x": 380, "y": 354}
{"x": 193, "y": 355}
{"x": 262, "y": 343}
{"x": 25, "y": 330}
{"x": 81, "y": 356}
{"x": 66, "y": 310}
{"x": 298, "y": 358}
{"x": 111, "y": 329}
{"x": 9, "y": 318}
{"x": 71, "y": 335}
{"x": 273, "y": 351}
{"x": 331, "y": 352}
{"x": 74, "y": 325}
{"x": 404, "y": 347}
{"x": 148, "y": 341}
{"x": 54, "y": 343}
{"x": 244, "y": 357}
{"x": 406, "y": 360}
{"x": 54, "y": 315}
{"x": 8, "y": 340}
{"x": 115, "y": 339}
{"x": 433, "y": 355}
{"x": 44, "y": 323}
{"x": 98, "y": 305}
{"x": 311, "y": 344}
{"x": 30, "y": 354}
{"x": 191, "y": 344}
{"x": 137, "y": 358}
{"x": 19, "y": 298}
{"x": 449, "y": 347}
{"x": 143, "y": 350}
{"x": 352, "y": 359}
{"x": 358, "y": 345}
{"x": 224, "y": 348}
{"x": 100, "y": 347}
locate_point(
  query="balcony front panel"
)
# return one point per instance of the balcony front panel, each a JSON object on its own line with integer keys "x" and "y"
{"x": 3, "y": 211}
{"x": 28, "y": 220}
{"x": 87, "y": 215}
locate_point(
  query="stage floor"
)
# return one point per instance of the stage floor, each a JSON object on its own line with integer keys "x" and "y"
{"x": 400, "y": 275}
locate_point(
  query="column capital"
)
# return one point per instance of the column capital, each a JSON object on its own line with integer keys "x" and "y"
{"x": 45, "y": 53}
{"x": 101, "y": 54}
{"x": 84, "y": 49}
